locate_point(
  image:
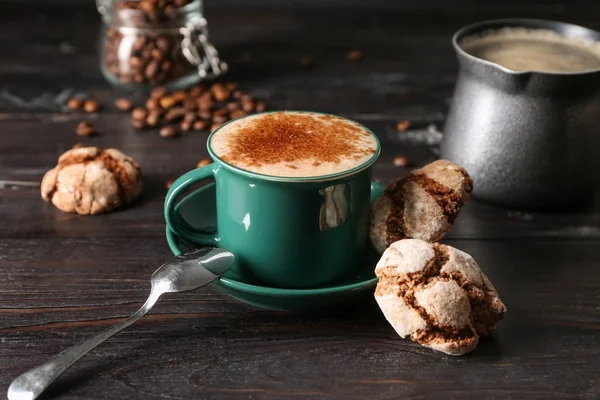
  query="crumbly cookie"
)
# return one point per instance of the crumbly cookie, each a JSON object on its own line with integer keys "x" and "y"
{"x": 436, "y": 295}
{"x": 422, "y": 206}
{"x": 90, "y": 180}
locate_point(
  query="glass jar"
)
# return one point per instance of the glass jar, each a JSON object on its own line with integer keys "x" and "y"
{"x": 143, "y": 46}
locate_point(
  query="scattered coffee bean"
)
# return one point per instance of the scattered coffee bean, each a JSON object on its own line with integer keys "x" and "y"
{"x": 139, "y": 113}
{"x": 205, "y": 104}
{"x": 186, "y": 126}
{"x": 403, "y": 125}
{"x": 237, "y": 114}
{"x": 307, "y": 62}
{"x": 196, "y": 108}
{"x": 168, "y": 131}
{"x": 138, "y": 123}
{"x": 85, "y": 129}
{"x": 190, "y": 116}
{"x": 248, "y": 106}
{"x": 214, "y": 126}
{"x": 219, "y": 119}
{"x": 169, "y": 183}
{"x": 200, "y": 125}
{"x": 123, "y": 104}
{"x": 196, "y": 91}
{"x": 205, "y": 115}
{"x": 74, "y": 104}
{"x": 190, "y": 104}
{"x": 91, "y": 106}
{"x": 152, "y": 104}
{"x": 175, "y": 114}
{"x": 153, "y": 118}
{"x": 207, "y": 95}
{"x": 354, "y": 55}
{"x": 233, "y": 106}
{"x": 203, "y": 163}
{"x": 220, "y": 92}
{"x": 158, "y": 92}
{"x": 260, "y": 107}
{"x": 179, "y": 96}
{"x": 167, "y": 102}
{"x": 221, "y": 112}
{"x": 401, "y": 161}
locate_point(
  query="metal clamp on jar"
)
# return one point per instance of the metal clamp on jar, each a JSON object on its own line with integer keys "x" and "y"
{"x": 150, "y": 43}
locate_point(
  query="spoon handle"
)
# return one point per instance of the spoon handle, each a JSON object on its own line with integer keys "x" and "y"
{"x": 32, "y": 383}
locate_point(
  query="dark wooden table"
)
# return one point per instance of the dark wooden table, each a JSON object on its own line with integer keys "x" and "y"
{"x": 64, "y": 277}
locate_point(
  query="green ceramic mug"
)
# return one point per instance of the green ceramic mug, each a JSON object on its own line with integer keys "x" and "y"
{"x": 285, "y": 232}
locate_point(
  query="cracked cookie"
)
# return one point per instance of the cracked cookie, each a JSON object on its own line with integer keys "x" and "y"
{"x": 436, "y": 295}
{"x": 90, "y": 180}
{"x": 422, "y": 205}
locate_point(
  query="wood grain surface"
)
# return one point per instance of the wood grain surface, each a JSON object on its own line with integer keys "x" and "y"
{"x": 64, "y": 277}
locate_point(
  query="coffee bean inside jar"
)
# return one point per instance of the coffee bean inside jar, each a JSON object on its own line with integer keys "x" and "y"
{"x": 157, "y": 42}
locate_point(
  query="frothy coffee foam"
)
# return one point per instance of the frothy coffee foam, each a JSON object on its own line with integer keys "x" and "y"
{"x": 294, "y": 144}
{"x": 522, "y": 49}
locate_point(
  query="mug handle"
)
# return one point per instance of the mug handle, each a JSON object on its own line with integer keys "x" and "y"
{"x": 174, "y": 220}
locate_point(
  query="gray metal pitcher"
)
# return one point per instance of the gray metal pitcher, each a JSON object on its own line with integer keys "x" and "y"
{"x": 528, "y": 139}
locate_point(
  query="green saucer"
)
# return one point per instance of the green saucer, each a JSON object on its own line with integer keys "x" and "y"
{"x": 357, "y": 286}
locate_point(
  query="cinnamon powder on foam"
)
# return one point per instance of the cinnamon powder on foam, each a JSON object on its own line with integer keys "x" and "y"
{"x": 286, "y": 138}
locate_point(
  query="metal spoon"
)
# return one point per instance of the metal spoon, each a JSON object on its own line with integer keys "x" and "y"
{"x": 186, "y": 272}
